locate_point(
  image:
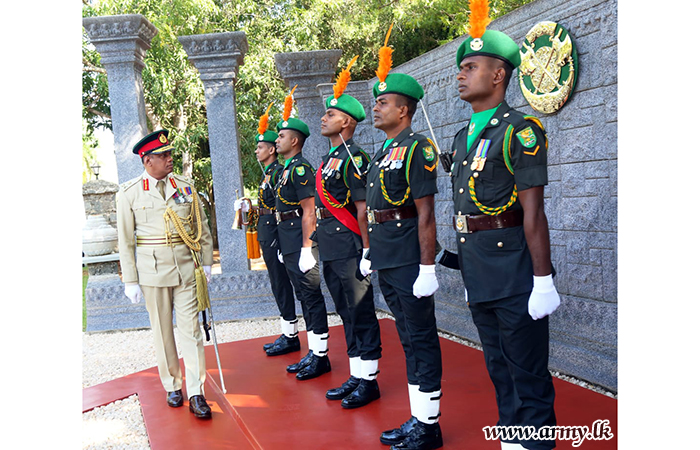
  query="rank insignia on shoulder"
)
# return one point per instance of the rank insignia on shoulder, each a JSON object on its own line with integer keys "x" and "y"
{"x": 300, "y": 171}
{"x": 527, "y": 137}
{"x": 428, "y": 153}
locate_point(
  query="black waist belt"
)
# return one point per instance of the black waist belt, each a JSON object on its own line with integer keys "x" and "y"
{"x": 470, "y": 224}
{"x": 286, "y": 215}
{"x": 375, "y": 216}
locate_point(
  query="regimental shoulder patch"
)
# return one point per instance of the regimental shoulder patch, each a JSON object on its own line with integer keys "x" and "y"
{"x": 358, "y": 161}
{"x": 428, "y": 153}
{"x": 527, "y": 137}
{"x": 300, "y": 171}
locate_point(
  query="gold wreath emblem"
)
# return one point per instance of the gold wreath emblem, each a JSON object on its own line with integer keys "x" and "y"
{"x": 547, "y": 73}
{"x": 162, "y": 138}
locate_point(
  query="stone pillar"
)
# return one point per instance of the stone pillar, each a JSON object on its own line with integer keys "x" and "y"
{"x": 308, "y": 70}
{"x": 122, "y": 42}
{"x": 218, "y": 56}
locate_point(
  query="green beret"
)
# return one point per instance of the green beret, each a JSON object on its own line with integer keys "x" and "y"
{"x": 399, "y": 83}
{"x": 493, "y": 43}
{"x": 349, "y": 105}
{"x": 269, "y": 136}
{"x": 294, "y": 124}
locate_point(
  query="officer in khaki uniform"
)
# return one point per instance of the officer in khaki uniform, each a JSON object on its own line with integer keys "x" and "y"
{"x": 157, "y": 265}
{"x": 342, "y": 234}
{"x": 401, "y": 184}
{"x": 498, "y": 178}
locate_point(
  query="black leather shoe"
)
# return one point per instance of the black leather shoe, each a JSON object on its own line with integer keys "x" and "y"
{"x": 175, "y": 398}
{"x": 270, "y": 344}
{"x": 296, "y": 367}
{"x": 424, "y": 436}
{"x": 366, "y": 392}
{"x": 391, "y": 437}
{"x": 317, "y": 367}
{"x": 283, "y": 346}
{"x": 344, "y": 390}
{"x": 199, "y": 407}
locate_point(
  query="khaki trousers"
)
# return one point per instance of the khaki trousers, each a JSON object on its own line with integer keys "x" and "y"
{"x": 160, "y": 303}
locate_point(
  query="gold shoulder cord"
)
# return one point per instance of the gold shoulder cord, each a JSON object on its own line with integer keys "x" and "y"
{"x": 193, "y": 244}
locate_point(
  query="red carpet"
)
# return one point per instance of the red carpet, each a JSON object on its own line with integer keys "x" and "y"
{"x": 267, "y": 408}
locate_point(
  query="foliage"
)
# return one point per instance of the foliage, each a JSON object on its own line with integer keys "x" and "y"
{"x": 174, "y": 92}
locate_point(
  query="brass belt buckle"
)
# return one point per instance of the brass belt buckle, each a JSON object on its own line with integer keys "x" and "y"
{"x": 370, "y": 217}
{"x": 278, "y": 217}
{"x": 318, "y": 213}
{"x": 460, "y": 223}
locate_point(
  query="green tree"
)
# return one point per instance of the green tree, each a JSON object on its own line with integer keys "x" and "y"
{"x": 174, "y": 93}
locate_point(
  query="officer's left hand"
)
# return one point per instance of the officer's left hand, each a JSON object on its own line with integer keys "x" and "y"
{"x": 426, "y": 284}
{"x": 365, "y": 263}
{"x": 544, "y": 298}
{"x": 306, "y": 260}
{"x": 207, "y": 273}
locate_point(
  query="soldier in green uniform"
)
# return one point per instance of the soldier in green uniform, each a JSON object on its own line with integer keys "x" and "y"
{"x": 498, "y": 178}
{"x": 342, "y": 234}
{"x": 266, "y": 153}
{"x": 160, "y": 265}
{"x": 401, "y": 184}
{"x": 296, "y": 221}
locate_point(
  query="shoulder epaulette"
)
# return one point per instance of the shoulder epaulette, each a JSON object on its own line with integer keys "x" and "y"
{"x": 183, "y": 178}
{"x": 127, "y": 184}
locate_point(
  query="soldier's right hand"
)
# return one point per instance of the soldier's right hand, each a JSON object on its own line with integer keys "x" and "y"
{"x": 279, "y": 257}
{"x": 240, "y": 204}
{"x": 133, "y": 292}
{"x": 365, "y": 263}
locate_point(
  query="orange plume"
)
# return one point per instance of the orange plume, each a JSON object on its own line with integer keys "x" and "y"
{"x": 288, "y": 102}
{"x": 262, "y": 125}
{"x": 478, "y": 18}
{"x": 385, "y": 58}
{"x": 343, "y": 78}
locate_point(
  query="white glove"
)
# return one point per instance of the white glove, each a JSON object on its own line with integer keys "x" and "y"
{"x": 240, "y": 204}
{"x": 133, "y": 292}
{"x": 365, "y": 264}
{"x": 306, "y": 260}
{"x": 544, "y": 298}
{"x": 466, "y": 296}
{"x": 426, "y": 284}
{"x": 207, "y": 273}
{"x": 280, "y": 257}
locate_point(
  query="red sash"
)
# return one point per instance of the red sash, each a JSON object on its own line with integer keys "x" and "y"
{"x": 342, "y": 214}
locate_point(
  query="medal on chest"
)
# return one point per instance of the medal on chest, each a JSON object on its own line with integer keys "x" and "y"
{"x": 332, "y": 168}
{"x": 480, "y": 155}
{"x": 394, "y": 159}
{"x": 285, "y": 175}
{"x": 183, "y": 195}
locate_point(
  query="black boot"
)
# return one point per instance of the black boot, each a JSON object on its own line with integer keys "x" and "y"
{"x": 283, "y": 346}
{"x": 391, "y": 437}
{"x": 317, "y": 367}
{"x": 296, "y": 367}
{"x": 270, "y": 344}
{"x": 344, "y": 390}
{"x": 367, "y": 391}
{"x": 424, "y": 436}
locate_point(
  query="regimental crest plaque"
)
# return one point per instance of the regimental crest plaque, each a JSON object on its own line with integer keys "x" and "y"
{"x": 549, "y": 67}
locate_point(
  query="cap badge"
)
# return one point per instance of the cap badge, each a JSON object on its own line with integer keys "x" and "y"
{"x": 334, "y": 101}
{"x": 260, "y": 137}
{"x": 476, "y": 44}
{"x": 382, "y": 86}
{"x": 285, "y": 123}
{"x": 162, "y": 138}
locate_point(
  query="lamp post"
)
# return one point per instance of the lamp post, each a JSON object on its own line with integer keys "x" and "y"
{"x": 96, "y": 170}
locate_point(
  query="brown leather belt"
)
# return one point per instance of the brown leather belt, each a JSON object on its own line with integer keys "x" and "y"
{"x": 281, "y": 216}
{"x": 375, "y": 216}
{"x": 265, "y": 211}
{"x": 323, "y": 213}
{"x": 470, "y": 224}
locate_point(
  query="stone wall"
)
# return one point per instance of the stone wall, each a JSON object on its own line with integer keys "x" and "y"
{"x": 99, "y": 197}
{"x": 581, "y": 198}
